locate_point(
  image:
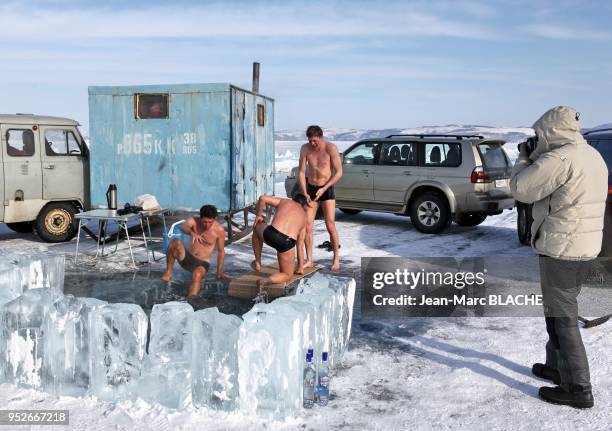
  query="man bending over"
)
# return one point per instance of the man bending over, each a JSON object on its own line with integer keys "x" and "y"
{"x": 287, "y": 229}
{"x": 206, "y": 234}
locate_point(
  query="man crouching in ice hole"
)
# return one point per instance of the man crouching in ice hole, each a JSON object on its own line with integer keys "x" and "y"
{"x": 286, "y": 230}
{"x": 206, "y": 235}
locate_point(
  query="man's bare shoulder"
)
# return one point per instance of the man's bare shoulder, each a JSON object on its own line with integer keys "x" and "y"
{"x": 305, "y": 148}
{"x": 191, "y": 221}
{"x": 331, "y": 147}
{"x": 218, "y": 227}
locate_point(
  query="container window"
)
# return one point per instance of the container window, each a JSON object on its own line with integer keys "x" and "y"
{"x": 442, "y": 154}
{"x": 151, "y": 106}
{"x": 20, "y": 142}
{"x": 261, "y": 115}
{"x": 60, "y": 142}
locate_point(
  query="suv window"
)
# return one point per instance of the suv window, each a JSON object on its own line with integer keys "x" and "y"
{"x": 443, "y": 154}
{"x": 61, "y": 143}
{"x": 493, "y": 155}
{"x": 20, "y": 142}
{"x": 398, "y": 154}
{"x": 363, "y": 154}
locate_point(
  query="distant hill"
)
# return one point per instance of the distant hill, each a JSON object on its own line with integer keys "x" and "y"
{"x": 509, "y": 134}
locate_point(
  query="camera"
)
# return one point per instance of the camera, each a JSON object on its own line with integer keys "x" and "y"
{"x": 530, "y": 144}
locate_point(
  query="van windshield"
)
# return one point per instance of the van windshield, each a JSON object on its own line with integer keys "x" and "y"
{"x": 493, "y": 156}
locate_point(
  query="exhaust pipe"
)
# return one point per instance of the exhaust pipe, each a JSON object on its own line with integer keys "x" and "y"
{"x": 255, "y": 77}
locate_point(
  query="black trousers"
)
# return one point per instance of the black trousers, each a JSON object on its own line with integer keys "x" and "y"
{"x": 561, "y": 282}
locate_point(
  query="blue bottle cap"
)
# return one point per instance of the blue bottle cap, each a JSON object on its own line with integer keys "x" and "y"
{"x": 311, "y": 352}
{"x": 324, "y": 356}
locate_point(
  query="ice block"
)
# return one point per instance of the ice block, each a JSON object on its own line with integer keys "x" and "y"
{"x": 215, "y": 359}
{"x": 118, "y": 339}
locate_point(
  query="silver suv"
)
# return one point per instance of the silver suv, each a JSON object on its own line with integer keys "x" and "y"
{"x": 434, "y": 179}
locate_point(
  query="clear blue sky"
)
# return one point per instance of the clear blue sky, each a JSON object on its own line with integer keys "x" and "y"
{"x": 356, "y": 64}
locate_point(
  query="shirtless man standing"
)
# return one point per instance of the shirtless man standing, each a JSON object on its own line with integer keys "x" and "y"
{"x": 287, "y": 229}
{"x": 206, "y": 234}
{"x": 325, "y": 170}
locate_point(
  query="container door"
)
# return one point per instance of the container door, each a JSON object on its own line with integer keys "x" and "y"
{"x": 238, "y": 156}
{"x": 262, "y": 149}
{"x": 22, "y": 167}
{"x": 251, "y": 166}
{"x": 270, "y": 145}
{"x": 1, "y": 182}
{"x": 62, "y": 163}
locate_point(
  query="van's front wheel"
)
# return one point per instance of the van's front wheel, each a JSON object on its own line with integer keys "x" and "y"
{"x": 56, "y": 222}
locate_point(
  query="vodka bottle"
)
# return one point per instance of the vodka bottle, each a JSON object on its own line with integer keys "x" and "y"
{"x": 323, "y": 384}
{"x": 309, "y": 381}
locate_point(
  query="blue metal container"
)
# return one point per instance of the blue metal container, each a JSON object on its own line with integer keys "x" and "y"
{"x": 200, "y": 144}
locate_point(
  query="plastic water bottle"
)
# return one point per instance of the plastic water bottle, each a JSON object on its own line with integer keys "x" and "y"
{"x": 309, "y": 381}
{"x": 323, "y": 385}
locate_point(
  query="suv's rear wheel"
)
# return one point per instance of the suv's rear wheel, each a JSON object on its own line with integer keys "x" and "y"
{"x": 470, "y": 219}
{"x": 523, "y": 222}
{"x": 349, "y": 211}
{"x": 21, "y": 227}
{"x": 429, "y": 213}
{"x": 56, "y": 222}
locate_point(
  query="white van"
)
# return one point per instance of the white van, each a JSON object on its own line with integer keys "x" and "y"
{"x": 44, "y": 175}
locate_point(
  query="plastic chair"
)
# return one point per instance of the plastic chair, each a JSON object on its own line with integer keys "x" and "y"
{"x": 175, "y": 233}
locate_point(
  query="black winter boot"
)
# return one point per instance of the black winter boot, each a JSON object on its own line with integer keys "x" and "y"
{"x": 545, "y": 372}
{"x": 577, "y": 396}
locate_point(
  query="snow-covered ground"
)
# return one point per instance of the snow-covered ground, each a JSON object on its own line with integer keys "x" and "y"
{"x": 417, "y": 373}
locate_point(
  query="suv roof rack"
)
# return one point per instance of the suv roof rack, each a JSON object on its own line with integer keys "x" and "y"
{"x": 426, "y": 135}
{"x": 598, "y": 130}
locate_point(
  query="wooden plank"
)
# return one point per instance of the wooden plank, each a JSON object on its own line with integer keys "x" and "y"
{"x": 245, "y": 286}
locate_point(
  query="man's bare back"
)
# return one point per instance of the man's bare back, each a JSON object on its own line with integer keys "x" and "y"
{"x": 289, "y": 218}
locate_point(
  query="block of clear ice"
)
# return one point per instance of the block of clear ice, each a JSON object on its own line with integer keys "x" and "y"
{"x": 309, "y": 312}
{"x": 170, "y": 339}
{"x": 345, "y": 288}
{"x": 117, "y": 349}
{"x": 214, "y": 363}
{"x": 270, "y": 361}
{"x": 67, "y": 330}
{"x": 40, "y": 270}
{"x": 10, "y": 282}
{"x": 317, "y": 321}
{"x": 35, "y": 269}
{"x": 334, "y": 297}
{"x": 21, "y": 333}
{"x": 168, "y": 384}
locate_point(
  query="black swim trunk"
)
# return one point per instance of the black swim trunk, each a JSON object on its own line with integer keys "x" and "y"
{"x": 312, "y": 190}
{"x": 190, "y": 262}
{"x": 278, "y": 240}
